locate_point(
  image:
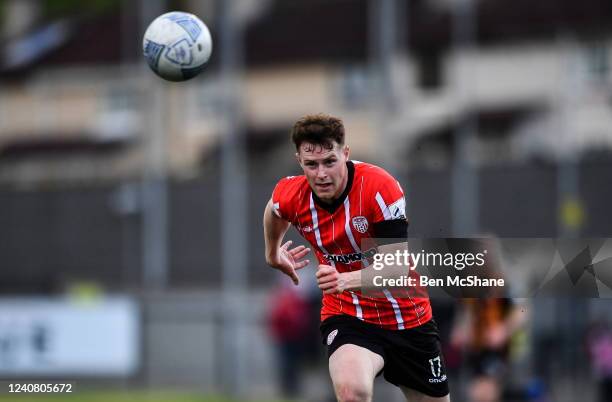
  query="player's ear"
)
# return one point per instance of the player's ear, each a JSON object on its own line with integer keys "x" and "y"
{"x": 297, "y": 157}
{"x": 346, "y": 151}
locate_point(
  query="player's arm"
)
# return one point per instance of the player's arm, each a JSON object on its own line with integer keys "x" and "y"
{"x": 390, "y": 228}
{"x": 275, "y": 229}
{"x": 332, "y": 281}
{"x": 279, "y": 255}
{"x": 392, "y": 238}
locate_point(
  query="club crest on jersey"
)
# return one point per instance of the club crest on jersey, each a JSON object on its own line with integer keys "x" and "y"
{"x": 331, "y": 336}
{"x": 360, "y": 223}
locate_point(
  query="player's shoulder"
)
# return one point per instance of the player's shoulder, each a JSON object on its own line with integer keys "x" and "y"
{"x": 377, "y": 181}
{"x": 291, "y": 185}
{"x": 289, "y": 196}
{"x": 292, "y": 181}
{"x": 371, "y": 172}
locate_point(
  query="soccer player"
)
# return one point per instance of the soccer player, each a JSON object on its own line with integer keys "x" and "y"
{"x": 334, "y": 205}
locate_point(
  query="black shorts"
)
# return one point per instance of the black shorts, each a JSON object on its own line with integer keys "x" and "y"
{"x": 413, "y": 357}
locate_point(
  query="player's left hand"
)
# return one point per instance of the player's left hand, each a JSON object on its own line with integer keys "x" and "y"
{"x": 329, "y": 280}
{"x": 290, "y": 260}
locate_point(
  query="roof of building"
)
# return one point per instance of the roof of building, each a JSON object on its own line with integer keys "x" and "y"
{"x": 331, "y": 31}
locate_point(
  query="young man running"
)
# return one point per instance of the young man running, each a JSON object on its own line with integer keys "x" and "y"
{"x": 334, "y": 205}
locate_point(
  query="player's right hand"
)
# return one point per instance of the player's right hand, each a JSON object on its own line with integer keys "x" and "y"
{"x": 289, "y": 261}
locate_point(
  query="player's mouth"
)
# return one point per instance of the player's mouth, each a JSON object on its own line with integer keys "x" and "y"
{"x": 323, "y": 186}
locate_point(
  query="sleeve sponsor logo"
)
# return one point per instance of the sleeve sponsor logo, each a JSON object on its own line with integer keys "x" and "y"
{"x": 275, "y": 208}
{"x": 398, "y": 209}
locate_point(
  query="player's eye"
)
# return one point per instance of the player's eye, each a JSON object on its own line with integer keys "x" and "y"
{"x": 330, "y": 162}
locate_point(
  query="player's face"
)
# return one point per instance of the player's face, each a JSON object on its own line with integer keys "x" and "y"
{"x": 325, "y": 168}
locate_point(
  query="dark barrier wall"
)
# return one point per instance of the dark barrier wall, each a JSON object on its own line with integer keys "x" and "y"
{"x": 49, "y": 238}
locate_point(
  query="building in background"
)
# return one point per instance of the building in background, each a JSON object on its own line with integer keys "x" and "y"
{"x": 79, "y": 131}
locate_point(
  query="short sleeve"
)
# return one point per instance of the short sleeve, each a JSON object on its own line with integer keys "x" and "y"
{"x": 284, "y": 197}
{"x": 388, "y": 206}
{"x": 390, "y": 202}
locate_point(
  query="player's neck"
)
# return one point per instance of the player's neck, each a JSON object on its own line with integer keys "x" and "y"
{"x": 332, "y": 204}
{"x": 341, "y": 189}
{"x": 342, "y": 186}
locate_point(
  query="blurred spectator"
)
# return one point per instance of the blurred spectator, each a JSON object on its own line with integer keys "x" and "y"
{"x": 599, "y": 343}
{"x": 288, "y": 322}
{"x": 484, "y": 333}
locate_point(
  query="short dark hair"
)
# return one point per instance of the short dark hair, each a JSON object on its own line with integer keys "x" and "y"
{"x": 320, "y": 129}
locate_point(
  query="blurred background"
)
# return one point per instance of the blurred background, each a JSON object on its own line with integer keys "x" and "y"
{"x": 131, "y": 247}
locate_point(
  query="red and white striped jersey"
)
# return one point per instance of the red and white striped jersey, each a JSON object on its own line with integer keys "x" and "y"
{"x": 336, "y": 231}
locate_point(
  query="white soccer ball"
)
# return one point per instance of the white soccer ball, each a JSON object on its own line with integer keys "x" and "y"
{"x": 177, "y": 45}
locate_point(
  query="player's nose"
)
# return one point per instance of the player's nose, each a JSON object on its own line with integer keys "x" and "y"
{"x": 321, "y": 172}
